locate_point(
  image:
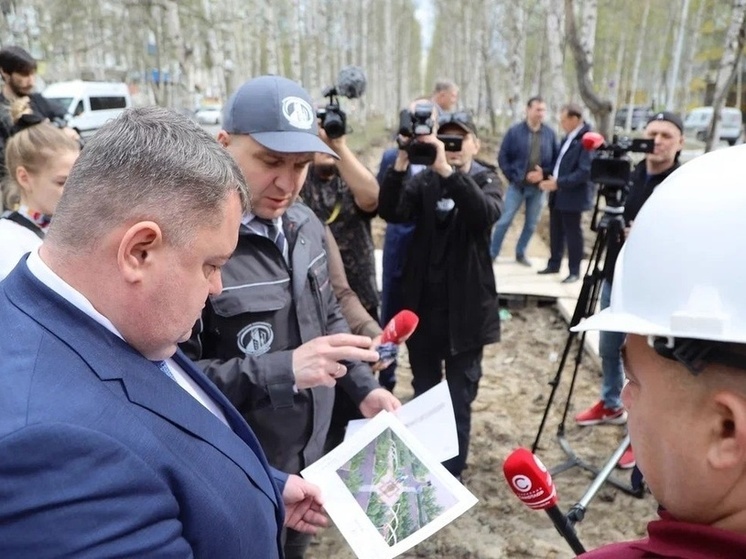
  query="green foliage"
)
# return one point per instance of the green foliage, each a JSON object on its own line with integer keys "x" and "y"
{"x": 429, "y": 503}
{"x": 354, "y": 481}
{"x": 406, "y": 524}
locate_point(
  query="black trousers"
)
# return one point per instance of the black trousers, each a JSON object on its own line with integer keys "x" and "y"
{"x": 295, "y": 544}
{"x": 462, "y": 372}
{"x": 564, "y": 228}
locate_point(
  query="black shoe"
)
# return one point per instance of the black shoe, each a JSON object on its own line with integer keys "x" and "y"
{"x": 548, "y": 270}
{"x": 572, "y": 278}
{"x": 523, "y": 260}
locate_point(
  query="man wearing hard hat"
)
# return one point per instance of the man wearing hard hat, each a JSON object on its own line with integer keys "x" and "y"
{"x": 678, "y": 295}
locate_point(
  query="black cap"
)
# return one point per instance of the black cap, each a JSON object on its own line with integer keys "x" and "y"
{"x": 462, "y": 119}
{"x": 668, "y": 116}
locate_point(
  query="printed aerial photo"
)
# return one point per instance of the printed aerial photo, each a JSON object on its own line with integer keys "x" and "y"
{"x": 397, "y": 492}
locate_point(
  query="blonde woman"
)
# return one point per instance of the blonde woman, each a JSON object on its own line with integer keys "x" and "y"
{"x": 38, "y": 158}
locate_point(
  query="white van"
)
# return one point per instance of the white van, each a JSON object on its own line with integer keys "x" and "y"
{"x": 89, "y": 104}
{"x": 698, "y": 121}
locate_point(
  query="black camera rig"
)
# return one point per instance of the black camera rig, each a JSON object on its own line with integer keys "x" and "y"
{"x": 351, "y": 83}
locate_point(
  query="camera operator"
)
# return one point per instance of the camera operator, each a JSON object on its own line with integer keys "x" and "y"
{"x": 396, "y": 241}
{"x": 448, "y": 278}
{"x": 344, "y": 195}
{"x": 665, "y": 129}
{"x": 18, "y": 69}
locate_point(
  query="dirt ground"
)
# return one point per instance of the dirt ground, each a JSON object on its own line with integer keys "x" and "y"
{"x": 512, "y": 397}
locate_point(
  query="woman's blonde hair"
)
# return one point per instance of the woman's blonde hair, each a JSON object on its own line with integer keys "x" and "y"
{"x": 30, "y": 147}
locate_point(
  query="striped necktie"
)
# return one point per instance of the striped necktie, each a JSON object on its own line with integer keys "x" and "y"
{"x": 163, "y": 366}
{"x": 267, "y": 228}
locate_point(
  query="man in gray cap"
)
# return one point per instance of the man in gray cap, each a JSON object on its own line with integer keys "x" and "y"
{"x": 274, "y": 341}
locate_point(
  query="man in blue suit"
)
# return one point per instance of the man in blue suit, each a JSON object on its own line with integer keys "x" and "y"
{"x": 570, "y": 194}
{"x": 112, "y": 443}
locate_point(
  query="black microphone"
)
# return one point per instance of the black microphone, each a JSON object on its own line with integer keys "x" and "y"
{"x": 351, "y": 82}
{"x": 532, "y": 483}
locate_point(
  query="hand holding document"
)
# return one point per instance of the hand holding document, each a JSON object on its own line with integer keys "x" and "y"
{"x": 430, "y": 419}
{"x": 384, "y": 486}
{"x": 385, "y": 491}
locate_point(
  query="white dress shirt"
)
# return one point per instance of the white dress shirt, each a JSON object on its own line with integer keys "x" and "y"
{"x": 565, "y": 146}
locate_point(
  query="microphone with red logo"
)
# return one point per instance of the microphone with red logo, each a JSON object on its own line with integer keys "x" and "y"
{"x": 592, "y": 141}
{"x": 396, "y": 332}
{"x": 532, "y": 483}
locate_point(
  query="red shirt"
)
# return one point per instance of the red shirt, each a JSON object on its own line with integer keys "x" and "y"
{"x": 670, "y": 538}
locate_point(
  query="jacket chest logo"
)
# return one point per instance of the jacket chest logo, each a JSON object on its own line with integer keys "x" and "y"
{"x": 256, "y": 338}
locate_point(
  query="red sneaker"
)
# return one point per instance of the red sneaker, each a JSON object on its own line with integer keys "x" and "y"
{"x": 601, "y": 414}
{"x": 627, "y": 461}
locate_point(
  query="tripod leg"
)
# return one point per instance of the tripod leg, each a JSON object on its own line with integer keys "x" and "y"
{"x": 577, "y": 512}
{"x": 585, "y": 306}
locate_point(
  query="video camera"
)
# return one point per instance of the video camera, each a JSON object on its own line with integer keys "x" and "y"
{"x": 420, "y": 122}
{"x": 612, "y": 166}
{"x": 351, "y": 83}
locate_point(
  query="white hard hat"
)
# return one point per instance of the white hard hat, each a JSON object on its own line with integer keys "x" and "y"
{"x": 682, "y": 271}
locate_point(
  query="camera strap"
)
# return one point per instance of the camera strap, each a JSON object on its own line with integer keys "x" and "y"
{"x": 23, "y": 221}
{"x": 335, "y": 212}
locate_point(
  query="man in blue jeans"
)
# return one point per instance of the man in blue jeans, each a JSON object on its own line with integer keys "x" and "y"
{"x": 526, "y": 157}
{"x": 666, "y": 131}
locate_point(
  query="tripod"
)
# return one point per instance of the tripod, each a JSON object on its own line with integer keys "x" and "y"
{"x": 609, "y": 228}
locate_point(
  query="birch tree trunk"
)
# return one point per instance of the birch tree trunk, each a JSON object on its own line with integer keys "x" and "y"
{"x": 600, "y": 108}
{"x": 619, "y": 72}
{"x": 516, "y": 58}
{"x": 295, "y": 41}
{"x": 636, "y": 67}
{"x": 555, "y": 40}
{"x": 673, "y": 81}
{"x": 272, "y": 63}
{"x": 729, "y": 63}
{"x": 694, "y": 37}
{"x": 589, "y": 19}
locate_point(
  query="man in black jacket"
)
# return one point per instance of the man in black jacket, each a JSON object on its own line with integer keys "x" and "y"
{"x": 18, "y": 70}
{"x": 448, "y": 278}
{"x": 667, "y": 132}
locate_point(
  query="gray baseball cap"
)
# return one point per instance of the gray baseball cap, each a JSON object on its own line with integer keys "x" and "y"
{"x": 276, "y": 112}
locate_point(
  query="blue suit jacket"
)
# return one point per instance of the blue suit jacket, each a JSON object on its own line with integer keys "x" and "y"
{"x": 102, "y": 455}
{"x": 575, "y": 190}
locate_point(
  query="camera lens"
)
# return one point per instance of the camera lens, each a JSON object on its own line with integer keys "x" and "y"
{"x": 333, "y": 125}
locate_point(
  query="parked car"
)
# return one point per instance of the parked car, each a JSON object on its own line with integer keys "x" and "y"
{"x": 698, "y": 121}
{"x": 89, "y": 104}
{"x": 640, "y": 116}
{"x": 209, "y": 115}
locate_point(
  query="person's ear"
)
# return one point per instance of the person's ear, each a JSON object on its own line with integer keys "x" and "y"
{"x": 138, "y": 249}
{"x": 727, "y": 421}
{"x": 224, "y": 139}
{"x": 23, "y": 178}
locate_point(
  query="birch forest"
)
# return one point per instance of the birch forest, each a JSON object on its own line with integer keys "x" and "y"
{"x": 665, "y": 54}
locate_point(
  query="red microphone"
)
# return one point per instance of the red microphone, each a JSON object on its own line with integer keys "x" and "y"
{"x": 396, "y": 332}
{"x": 592, "y": 141}
{"x": 530, "y": 480}
{"x": 532, "y": 483}
{"x": 400, "y": 327}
